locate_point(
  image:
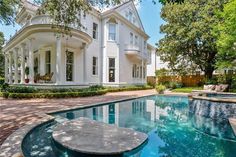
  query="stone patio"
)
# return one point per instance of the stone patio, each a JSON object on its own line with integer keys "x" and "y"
{"x": 18, "y": 113}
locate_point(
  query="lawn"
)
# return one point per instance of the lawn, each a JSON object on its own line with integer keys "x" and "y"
{"x": 186, "y": 89}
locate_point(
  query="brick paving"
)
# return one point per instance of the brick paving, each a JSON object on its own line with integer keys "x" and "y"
{"x": 17, "y": 113}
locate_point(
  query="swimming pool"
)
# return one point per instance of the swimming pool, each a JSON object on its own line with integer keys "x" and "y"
{"x": 173, "y": 131}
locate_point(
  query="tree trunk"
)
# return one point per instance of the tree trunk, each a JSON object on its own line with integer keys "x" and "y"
{"x": 209, "y": 72}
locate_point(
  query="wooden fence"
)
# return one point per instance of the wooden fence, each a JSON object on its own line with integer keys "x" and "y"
{"x": 188, "y": 80}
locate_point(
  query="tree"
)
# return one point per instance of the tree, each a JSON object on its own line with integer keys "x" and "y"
{"x": 189, "y": 41}
{"x": 2, "y": 61}
{"x": 7, "y": 11}
{"x": 227, "y": 40}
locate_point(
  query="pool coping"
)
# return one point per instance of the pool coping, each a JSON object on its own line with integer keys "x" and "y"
{"x": 195, "y": 95}
{"x": 11, "y": 147}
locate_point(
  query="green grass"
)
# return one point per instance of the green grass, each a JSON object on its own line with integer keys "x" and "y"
{"x": 186, "y": 89}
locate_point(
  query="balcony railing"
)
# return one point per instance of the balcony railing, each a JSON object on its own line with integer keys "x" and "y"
{"x": 134, "y": 50}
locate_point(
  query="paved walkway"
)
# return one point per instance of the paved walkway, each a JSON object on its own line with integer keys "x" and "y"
{"x": 17, "y": 113}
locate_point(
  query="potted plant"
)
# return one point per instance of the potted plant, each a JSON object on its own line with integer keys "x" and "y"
{"x": 27, "y": 74}
{"x": 160, "y": 88}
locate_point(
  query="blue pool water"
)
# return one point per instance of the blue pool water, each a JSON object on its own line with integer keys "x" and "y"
{"x": 173, "y": 131}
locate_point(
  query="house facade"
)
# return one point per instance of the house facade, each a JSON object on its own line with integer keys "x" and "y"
{"x": 110, "y": 49}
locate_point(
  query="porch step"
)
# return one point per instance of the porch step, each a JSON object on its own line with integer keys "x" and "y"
{"x": 232, "y": 122}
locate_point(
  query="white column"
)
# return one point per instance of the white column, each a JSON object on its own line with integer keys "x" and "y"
{"x": 6, "y": 69}
{"x": 22, "y": 79}
{"x": 142, "y": 69}
{"x": 31, "y": 61}
{"x": 83, "y": 48}
{"x": 58, "y": 59}
{"x": 16, "y": 74}
{"x": 10, "y": 67}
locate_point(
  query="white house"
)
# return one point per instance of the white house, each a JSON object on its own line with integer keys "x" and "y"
{"x": 111, "y": 49}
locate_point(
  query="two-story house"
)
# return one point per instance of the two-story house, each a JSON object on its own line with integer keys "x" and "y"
{"x": 111, "y": 49}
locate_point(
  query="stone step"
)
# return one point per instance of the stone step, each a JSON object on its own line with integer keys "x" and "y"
{"x": 232, "y": 122}
{"x": 96, "y": 138}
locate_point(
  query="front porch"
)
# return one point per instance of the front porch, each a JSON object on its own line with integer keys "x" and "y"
{"x": 42, "y": 57}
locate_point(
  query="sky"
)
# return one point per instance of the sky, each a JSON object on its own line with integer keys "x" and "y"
{"x": 149, "y": 14}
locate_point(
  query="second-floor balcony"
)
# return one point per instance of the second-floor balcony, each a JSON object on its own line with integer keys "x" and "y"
{"x": 132, "y": 49}
{"x": 135, "y": 51}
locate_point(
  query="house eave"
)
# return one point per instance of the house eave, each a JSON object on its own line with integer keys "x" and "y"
{"x": 25, "y": 32}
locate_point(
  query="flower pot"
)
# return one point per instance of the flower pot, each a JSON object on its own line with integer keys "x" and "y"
{"x": 26, "y": 80}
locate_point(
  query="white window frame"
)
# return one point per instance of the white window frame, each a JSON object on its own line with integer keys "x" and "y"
{"x": 131, "y": 38}
{"x": 48, "y": 63}
{"x": 73, "y": 63}
{"x": 95, "y": 66}
{"x": 136, "y": 40}
{"x": 111, "y": 33}
{"x": 95, "y": 31}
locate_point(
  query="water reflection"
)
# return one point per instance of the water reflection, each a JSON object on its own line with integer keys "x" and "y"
{"x": 172, "y": 130}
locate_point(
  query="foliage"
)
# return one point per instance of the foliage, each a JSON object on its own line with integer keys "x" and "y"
{"x": 162, "y": 72}
{"x": 227, "y": 40}
{"x": 2, "y": 60}
{"x": 189, "y": 41}
{"x": 30, "y": 92}
{"x": 7, "y": 11}
{"x": 160, "y": 88}
{"x": 27, "y": 71}
{"x": 186, "y": 89}
{"x": 2, "y": 80}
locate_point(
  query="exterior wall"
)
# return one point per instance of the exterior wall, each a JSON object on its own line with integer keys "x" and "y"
{"x": 101, "y": 48}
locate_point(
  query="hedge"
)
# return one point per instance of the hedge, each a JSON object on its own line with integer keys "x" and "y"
{"x": 53, "y": 95}
{"x": 2, "y": 80}
{"x": 30, "y": 92}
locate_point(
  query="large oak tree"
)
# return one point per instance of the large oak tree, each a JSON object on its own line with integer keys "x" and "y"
{"x": 227, "y": 40}
{"x": 189, "y": 41}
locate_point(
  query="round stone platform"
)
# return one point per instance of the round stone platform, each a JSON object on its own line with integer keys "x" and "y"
{"x": 92, "y": 137}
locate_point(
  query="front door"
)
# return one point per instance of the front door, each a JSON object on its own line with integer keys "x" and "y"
{"x": 111, "y": 69}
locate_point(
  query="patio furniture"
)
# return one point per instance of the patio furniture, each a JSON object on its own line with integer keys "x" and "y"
{"x": 46, "y": 77}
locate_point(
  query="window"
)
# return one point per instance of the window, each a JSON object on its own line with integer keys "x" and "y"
{"x": 134, "y": 20}
{"x": 131, "y": 38}
{"x": 137, "y": 71}
{"x": 95, "y": 66}
{"x": 69, "y": 66}
{"x": 48, "y": 62}
{"x": 111, "y": 69}
{"x": 136, "y": 40}
{"x": 141, "y": 71}
{"x": 95, "y": 31}
{"x": 144, "y": 72}
{"x": 112, "y": 31}
{"x": 134, "y": 71}
{"x": 144, "y": 45}
{"x": 130, "y": 16}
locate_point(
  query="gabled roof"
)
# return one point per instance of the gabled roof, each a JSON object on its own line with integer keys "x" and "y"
{"x": 127, "y": 3}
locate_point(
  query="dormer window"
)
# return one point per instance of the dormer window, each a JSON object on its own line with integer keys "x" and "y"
{"x": 130, "y": 16}
{"x": 112, "y": 32}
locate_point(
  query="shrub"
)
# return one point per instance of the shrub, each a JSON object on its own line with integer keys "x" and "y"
{"x": 21, "y": 89}
{"x": 2, "y": 80}
{"x": 30, "y": 92}
{"x": 4, "y": 86}
{"x": 210, "y": 81}
{"x": 160, "y": 88}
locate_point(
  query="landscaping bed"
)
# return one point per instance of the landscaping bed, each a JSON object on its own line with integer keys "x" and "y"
{"x": 20, "y": 92}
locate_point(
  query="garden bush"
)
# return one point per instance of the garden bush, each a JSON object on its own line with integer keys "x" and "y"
{"x": 21, "y": 89}
{"x": 30, "y": 92}
{"x": 160, "y": 88}
{"x": 2, "y": 81}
